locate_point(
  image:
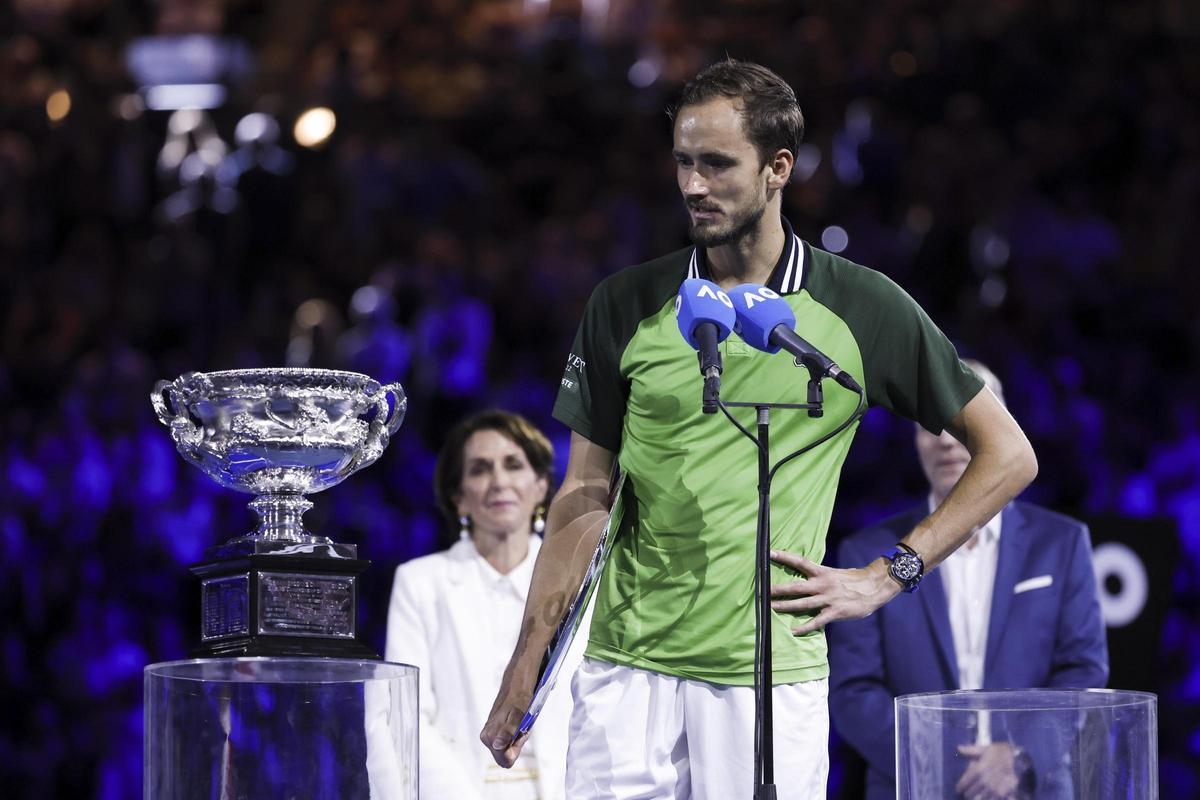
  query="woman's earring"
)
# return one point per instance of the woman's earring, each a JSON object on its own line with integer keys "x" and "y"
{"x": 464, "y": 527}
{"x": 539, "y": 520}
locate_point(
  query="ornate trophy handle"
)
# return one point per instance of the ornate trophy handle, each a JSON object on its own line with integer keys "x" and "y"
{"x": 385, "y": 423}
{"x": 159, "y": 399}
{"x": 171, "y": 411}
{"x": 399, "y": 407}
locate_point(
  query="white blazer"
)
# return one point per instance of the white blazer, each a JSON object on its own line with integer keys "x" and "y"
{"x": 433, "y": 624}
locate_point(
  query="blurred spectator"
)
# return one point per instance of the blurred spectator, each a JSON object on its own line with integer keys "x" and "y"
{"x": 967, "y": 630}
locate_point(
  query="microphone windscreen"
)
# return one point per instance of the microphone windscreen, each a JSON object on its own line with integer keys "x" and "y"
{"x": 703, "y": 301}
{"x": 759, "y": 310}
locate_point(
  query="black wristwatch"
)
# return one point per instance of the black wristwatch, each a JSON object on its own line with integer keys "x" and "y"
{"x": 906, "y": 567}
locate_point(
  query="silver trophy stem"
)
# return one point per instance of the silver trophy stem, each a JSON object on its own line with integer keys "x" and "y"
{"x": 280, "y": 518}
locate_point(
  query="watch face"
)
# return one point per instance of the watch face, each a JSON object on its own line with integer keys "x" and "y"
{"x": 905, "y": 567}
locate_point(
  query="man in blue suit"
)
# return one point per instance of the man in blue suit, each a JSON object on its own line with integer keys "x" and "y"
{"x": 1014, "y": 607}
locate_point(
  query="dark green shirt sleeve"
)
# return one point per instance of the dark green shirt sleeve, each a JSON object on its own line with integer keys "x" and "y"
{"x": 592, "y": 394}
{"x": 912, "y": 368}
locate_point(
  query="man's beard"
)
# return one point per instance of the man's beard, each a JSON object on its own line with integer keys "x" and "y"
{"x": 736, "y": 231}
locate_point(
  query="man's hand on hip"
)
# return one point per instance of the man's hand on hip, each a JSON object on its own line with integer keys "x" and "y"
{"x": 830, "y": 593}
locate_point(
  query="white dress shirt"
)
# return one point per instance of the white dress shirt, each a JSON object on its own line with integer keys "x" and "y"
{"x": 968, "y": 575}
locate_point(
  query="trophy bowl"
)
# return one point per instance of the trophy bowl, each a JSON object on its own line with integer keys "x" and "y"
{"x": 279, "y": 433}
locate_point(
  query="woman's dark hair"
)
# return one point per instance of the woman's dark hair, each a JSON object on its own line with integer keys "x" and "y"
{"x": 771, "y": 115}
{"x": 447, "y": 475}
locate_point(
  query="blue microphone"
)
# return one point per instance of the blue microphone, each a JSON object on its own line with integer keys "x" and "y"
{"x": 766, "y": 322}
{"x": 705, "y": 316}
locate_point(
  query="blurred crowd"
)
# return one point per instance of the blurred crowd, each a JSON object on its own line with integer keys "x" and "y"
{"x": 1030, "y": 171}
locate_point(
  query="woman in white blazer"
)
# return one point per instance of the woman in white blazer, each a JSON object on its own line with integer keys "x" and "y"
{"x": 456, "y": 614}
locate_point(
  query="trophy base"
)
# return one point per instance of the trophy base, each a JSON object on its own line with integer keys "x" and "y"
{"x": 278, "y": 646}
{"x": 270, "y": 599}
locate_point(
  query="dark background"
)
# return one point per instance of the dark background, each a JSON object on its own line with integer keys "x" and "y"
{"x": 1030, "y": 171}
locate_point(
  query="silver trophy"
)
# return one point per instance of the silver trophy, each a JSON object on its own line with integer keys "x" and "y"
{"x": 280, "y": 434}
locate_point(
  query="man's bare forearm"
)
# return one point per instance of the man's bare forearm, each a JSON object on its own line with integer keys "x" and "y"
{"x": 574, "y": 524}
{"x": 987, "y": 485}
{"x": 576, "y": 520}
{"x": 1002, "y": 464}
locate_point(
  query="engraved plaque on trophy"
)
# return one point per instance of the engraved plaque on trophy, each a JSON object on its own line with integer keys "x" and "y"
{"x": 280, "y": 434}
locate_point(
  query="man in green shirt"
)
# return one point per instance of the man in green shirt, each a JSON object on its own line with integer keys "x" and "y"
{"x": 664, "y": 706}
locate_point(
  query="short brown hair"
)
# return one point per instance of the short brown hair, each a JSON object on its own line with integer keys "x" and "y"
{"x": 770, "y": 112}
{"x": 447, "y": 475}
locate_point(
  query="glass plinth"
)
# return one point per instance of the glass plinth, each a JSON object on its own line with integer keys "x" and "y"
{"x": 1039, "y": 743}
{"x": 316, "y": 728}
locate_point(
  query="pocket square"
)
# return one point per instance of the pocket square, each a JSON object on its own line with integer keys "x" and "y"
{"x": 1029, "y": 584}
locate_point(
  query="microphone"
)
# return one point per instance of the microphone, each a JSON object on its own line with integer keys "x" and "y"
{"x": 766, "y": 322}
{"x": 705, "y": 316}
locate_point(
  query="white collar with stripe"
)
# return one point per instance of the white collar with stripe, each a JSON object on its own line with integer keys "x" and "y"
{"x": 788, "y": 275}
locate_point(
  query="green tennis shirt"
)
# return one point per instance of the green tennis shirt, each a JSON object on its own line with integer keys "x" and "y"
{"x": 677, "y": 594}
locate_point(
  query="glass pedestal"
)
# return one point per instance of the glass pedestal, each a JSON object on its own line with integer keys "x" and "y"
{"x": 1029, "y": 743}
{"x": 251, "y": 728}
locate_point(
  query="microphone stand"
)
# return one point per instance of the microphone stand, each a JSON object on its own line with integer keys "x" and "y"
{"x": 710, "y": 367}
{"x": 764, "y": 744}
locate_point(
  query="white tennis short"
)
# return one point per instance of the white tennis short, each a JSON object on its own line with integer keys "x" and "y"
{"x": 640, "y": 735}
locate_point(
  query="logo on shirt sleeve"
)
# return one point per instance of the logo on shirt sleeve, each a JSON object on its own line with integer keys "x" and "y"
{"x": 573, "y": 373}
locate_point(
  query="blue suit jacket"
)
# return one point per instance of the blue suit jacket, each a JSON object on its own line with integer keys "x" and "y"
{"x": 1045, "y": 637}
